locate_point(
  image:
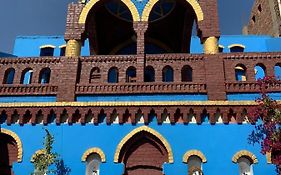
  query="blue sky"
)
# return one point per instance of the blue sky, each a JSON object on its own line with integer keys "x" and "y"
{"x": 47, "y": 17}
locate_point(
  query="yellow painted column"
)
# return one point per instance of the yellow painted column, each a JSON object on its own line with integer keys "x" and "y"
{"x": 211, "y": 45}
{"x": 73, "y": 48}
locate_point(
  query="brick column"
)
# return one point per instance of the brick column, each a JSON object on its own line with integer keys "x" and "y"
{"x": 67, "y": 77}
{"x": 140, "y": 29}
{"x": 215, "y": 78}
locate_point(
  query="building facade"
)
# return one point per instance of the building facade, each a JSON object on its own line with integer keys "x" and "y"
{"x": 265, "y": 18}
{"x": 129, "y": 90}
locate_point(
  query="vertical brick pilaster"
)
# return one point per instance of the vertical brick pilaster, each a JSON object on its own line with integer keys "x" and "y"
{"x": 215, "y": 79}
{"x": 140, "y": 29}
{"x": 67, "y": 77}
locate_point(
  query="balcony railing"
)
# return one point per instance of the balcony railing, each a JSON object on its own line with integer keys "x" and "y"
{"x": 141, "y": 88}
{"x": 28, "y": 89}
{"x": 250, "y": 87}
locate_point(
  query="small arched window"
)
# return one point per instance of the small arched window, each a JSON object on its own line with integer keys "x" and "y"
{"x": 131, "y": 74}
{"x": 260, "y": 71}
{"x": 9, "y": 76}
{"x": 45, "y": 75}
{"x": 62, "y": 50}
{"x": 245, "y": 166}
{"x": 26, "y": 76}
{"x": 47, "y": 50}
{"x": 277, "y": 71}
{"x": 95, "y": 74}
{"x": 167, "y": 74}
{"x": 195, "y": 165}
{"x": 240, "y": 72}
{"x": 221, "y": 47}
{"x": 186, "y": 74}
{"x": 149, "y": 74}
{"x": 236, "y": 48}
{"x": 112, "y": 75}
{"x": 93, "y": 162}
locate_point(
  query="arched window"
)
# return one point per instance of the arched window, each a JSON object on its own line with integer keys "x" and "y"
{"x": 186, "y": 74}
{"x": 47, "y": 50}
{"x": 221, "y": 47}
{"x": 240, "y": 72}
{"x": 149, "y": 74}
{"x": 113, "y": 75}
{"x": 167, "y": 74}
{"x": 9, "y": 76}
{"x": 26, "y": 76}
{"x": 93, "y": 162}
{"x": 131, "y": 74}
{"x": 62, "y": 50}
{"x": 44, "y": 77}
{"x": 277, "y": 70}
{"x": 236, "y": 48}
{"x": 95, "y": 74}
{"x": 194, "y": 165}
{"x": 245, "y": 166}
{"x": 259, "y": 71}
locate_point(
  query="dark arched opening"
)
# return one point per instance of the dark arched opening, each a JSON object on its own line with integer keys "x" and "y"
{"x": 8, "y": 154}
{"x": 131, "y": 74}
{"x": 186, "y": 74}
{"x": 9, "y": 76}
{"x": 170, "y": 27}
{"x": 95, "y": 75}
{"x": 240, "y": 72}
{"x": 137, "y": 151}
{"x": 260, "y": 71}
{"x": 149, "y": 74}
{"x": 109, "y": 28}
{"x": 113, "y": 75}
{"x": 45, "y": 75}
{"x": 167, "y": 74}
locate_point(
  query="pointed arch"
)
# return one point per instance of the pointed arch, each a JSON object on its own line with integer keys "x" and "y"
{"x": 94, "y": 150}
{"x": 149, "y": 130}
{"x": 244, "y": 153}
{"x": 17, "y": 139}
{"x": 194, "y": 4}
{"x": 193, "y": 152}
{"x": 131, "y": 6}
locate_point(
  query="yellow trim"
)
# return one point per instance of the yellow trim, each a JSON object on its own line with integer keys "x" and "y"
{"x": 194, "y": 4}
{"x": 237, "y": 45}
{"x": 17, "y": 139}
{"x": 246, "y": 153}
{"x": 268, "y": 158}
{"x": 221, "y": 46}
{"x": 129, "y": 103}
{"x": 47, "y": 46}
{"x": 131, "y": 6}
{"x": 149, "y": 130}
{"x": 38, "y": 152}
{"x": 211, "y": 45}
{"x": 92, "y": 151}
{"x": 239, "y": 68}
{"x": 193, "y": 152}
{"x": 62, "y": 46}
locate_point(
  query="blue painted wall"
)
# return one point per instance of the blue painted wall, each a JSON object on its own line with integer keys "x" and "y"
{"x": 251, "y": 96}
{"x": 143, "y": 97}
{"x": 217, "y": 142}
{"x": 31, "y": 98}
{"x": 29, "y": 46}
{"x": 2, "y": 54}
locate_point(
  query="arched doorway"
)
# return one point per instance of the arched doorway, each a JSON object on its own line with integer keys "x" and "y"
{"x": 8, "y": 153}
{"x": 143, "y": 151}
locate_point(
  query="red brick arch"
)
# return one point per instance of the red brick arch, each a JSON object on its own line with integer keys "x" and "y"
{"x": 143, "y": 153}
